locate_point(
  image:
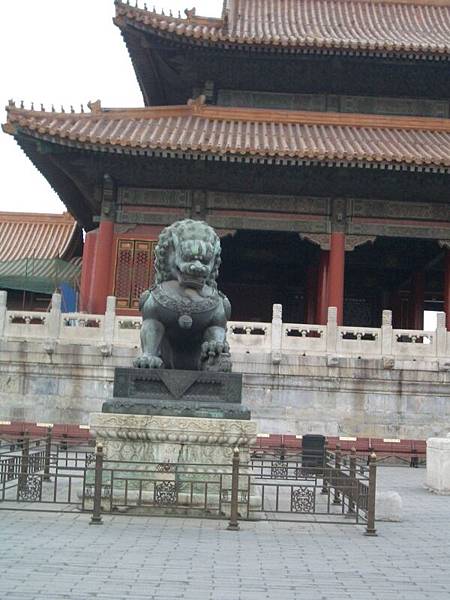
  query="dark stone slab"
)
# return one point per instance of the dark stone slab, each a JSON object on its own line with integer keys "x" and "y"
{"x": 170, "y": 392}
{"x": 172, "y": 384}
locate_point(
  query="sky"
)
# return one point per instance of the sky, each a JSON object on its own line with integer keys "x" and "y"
{"x": 63, "y": 52}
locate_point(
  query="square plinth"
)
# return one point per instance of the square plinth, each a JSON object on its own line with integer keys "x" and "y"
{"x": 170, "y": 392}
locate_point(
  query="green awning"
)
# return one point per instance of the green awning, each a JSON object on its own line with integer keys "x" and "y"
{"x": 41, "y": 275}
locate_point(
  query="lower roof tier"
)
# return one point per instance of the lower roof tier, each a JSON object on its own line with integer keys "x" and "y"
{"x": 246, "y": 134}
{"x": 199, "y": 148}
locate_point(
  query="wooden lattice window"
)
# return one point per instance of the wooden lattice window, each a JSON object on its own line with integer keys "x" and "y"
{"x": 134, "y": 271}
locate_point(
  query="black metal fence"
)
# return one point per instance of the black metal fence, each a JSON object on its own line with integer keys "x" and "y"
{"x": 44, "y": 474}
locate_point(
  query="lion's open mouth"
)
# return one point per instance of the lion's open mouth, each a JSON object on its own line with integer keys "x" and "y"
{"x": 192, "y": 281}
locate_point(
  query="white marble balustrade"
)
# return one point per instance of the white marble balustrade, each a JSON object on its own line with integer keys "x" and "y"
{"x": 275, "y": 339}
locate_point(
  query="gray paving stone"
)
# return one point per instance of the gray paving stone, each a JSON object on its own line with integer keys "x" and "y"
{"x": 60, "y": 557}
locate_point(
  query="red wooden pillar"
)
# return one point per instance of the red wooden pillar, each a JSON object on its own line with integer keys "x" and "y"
{"x": 322, "y": 288}
{"x": 447, "y": 287}
{"x": 311, "y": 288}
{"x": 101, "y": 273}
{"x": 336, "y": 274}
{"x": 418, "y": 300}
{"x": 86, "y": 271}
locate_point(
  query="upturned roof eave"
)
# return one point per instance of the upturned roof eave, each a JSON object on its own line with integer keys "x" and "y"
{"x": 218, "y": 35}
{"x": 401, "y": 159}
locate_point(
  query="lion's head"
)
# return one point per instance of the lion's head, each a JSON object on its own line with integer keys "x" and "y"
{"x": 188, "y": 251}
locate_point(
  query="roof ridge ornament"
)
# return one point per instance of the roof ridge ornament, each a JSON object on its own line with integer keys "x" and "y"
{"x": 95, "y": 106}
{"x": 190, "y": 13}
{"x": 197, "y": 103}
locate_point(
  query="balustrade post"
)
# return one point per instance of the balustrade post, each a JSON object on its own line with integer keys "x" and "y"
{"x": 96, "y": 518}
{"x": 233, "y": 525}
{"x": 441, "y": 335}
{"x": 110, "y": 321}
{"x": 277, "y": 333}
{"x": 370, "y": 529}
{"x": 386, "y": 333}
{"x": 3, "y": 299}
{"x": 54, "y": 318}
{"x": 332, "y": 330}
{"x": 48, "y": 448}
{"x": 337, "y": 467}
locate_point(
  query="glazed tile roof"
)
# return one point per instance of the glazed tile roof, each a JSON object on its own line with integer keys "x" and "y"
{"x": 35, "y": 235}
{"x": 420, "y": 27}
{"x": 247, "y": 134}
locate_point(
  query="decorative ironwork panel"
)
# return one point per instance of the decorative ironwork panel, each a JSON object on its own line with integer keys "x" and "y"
{"x": 90, "y": 458}
{"x": 303, "y": 499}
{"x": 29, "y": 488}
{"x": 166, "y": 493}
{"x": 279, "y": 470}
{"x": 305, "y": 473}
{"x": 165, "y": 468}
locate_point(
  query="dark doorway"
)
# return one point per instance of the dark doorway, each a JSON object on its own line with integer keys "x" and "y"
{"x": 261, "y": 268}
{"x": 382, "y": 276}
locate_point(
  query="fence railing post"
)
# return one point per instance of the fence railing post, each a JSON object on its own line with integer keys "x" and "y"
{"x": 24, "y": 464}
{"x": 353, "y": 483}
{"x": 325, "y": 467}
{"x": 370, "y": 529}
{"x": 48, "y": 449}
{"x": 337, "y": 466}
{"x": 233, "y": 525}
{"x": 96, "y": 518}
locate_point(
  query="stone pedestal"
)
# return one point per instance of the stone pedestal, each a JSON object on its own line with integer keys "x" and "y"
{"x": 151, "y": 455}
{"x": 171, "y": 392}
{"x": 438, "y": 465}
{"x": 163, "y": 439}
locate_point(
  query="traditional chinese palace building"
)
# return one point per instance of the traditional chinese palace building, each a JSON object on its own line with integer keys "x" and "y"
{"x": 314, "y": 135}
{"x": 39, "y": 254}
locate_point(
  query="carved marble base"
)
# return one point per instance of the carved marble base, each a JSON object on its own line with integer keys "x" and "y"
{"x": 180, "y": 453}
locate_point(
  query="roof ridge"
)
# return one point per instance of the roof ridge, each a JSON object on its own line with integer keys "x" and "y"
{"x": 64, "y": 218}
{"x": 125, "y": 9}
{"x": 229, "y": 113}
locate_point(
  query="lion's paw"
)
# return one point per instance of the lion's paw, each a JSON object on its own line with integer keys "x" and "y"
{"x": 213, "y": 348}
{"x": 148, "y": 362}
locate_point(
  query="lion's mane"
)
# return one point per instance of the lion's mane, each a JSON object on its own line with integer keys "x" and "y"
{"x": 185, "y": 230}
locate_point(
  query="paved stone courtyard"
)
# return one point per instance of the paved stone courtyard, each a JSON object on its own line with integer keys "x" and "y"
{"x": 51, "y": 556}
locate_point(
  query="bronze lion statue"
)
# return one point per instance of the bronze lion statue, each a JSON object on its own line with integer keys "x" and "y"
{"x": 184, "y": 316}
